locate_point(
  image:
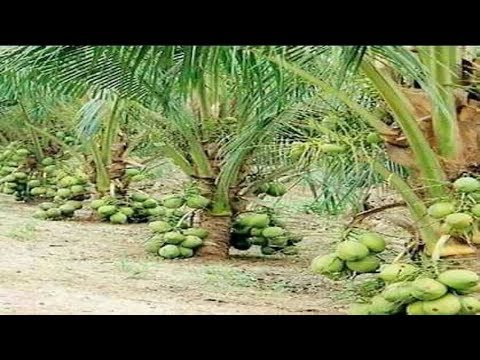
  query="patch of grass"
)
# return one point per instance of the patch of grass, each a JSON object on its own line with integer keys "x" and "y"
{"x": 136, "y": 270}
{"x": 24, "y": 233}
{"x": 224, "y": 276}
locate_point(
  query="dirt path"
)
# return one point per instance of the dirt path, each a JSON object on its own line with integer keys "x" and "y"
{"x": 89, "y": 268}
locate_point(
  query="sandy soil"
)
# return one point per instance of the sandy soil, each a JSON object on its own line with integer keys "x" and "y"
{"x": 73, "y": 267}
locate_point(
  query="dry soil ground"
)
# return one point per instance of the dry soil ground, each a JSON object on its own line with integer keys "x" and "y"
{"x": 72, "y": 267}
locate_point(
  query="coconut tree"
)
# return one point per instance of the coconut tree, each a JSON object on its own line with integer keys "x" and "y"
{"x": 433, "y": 133}
{"x": 217, "y": 108}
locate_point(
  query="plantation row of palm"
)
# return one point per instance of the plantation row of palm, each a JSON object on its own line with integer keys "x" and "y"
{"x": 82, "y": 125}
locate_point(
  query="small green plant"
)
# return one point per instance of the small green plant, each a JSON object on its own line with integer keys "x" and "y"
{"x": 135, "y": 270}
{"x": 26, "y": 232}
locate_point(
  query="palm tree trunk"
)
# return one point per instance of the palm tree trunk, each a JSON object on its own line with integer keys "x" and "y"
{"x": 217, "y": 244}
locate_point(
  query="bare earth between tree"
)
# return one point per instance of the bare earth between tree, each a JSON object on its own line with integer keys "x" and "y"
{"x": 91, "y": 268}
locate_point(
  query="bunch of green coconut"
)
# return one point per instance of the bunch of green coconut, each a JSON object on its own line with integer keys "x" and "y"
{"x": 66, "y": 137}
{"x": 408, "y": 293}
{"x": 313, "y": 148}
{"x": 68, "y": 196}
{"x": 357, "y": 254}
{"x": 134, "y": 208}
{"x": 460, "y": 217}
{"x": 24, "y": 177}
{"x": 174, "y": 241}
{"x": 263, "y": 228}
{"x": 274, "y": 189}
{"x": 174, "y": 235}
{"x": 133, "y": 174}
{"x": 13, "y": 171}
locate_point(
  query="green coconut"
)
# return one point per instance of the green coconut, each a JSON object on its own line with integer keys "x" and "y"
{"x": 47, "y": 205}
{"x": 128, "y": 211}
{"x": 118, "y": 218}
{"x": 381, "y": 306}
{"x": 40, "y": 214}
{"x": 459, "y": 279}
{"x": 441, "y": 209}
{"x": 459, "y": 221}
{"x": 11, "y": 185}
{"x": 400, "y": 292}
{"x": 241, "y": 243}
{"x": 169, "y": 251}
{"x": 178, "y": 212}
{"x": 154, "y": 244}
{"x": 327, "y": 264}
{"x": 22, "y": 152}
{"x": 273, "y": 231}
{"x": 260, "y": 241}
{"x": 38, "y": 191}
{"x": 77, "y": 205}
{"x": 470, "y": 305}
{"x": 50, "y": 193}
{"x": 279, "y": 241}
{"x": 267, "y": 250}
{"x": 374, "y": 242}
{"x": 63, "y": 193}
{"x": 359, "y": 309}
{"x": 34, "y": 183}
{"x": 192, "y": 242}
{"x": 350, "y": 250}
{"x": 50, "y": 169}
{"x": 139, "y": 197}
{"x": 276, "y": 189}
{"x": 255, "y": 220}
{"x": 473, "y": 289}
{"x": 428, "y": 289}
{"x": 160, "y": 226}
{"x": 132, "y": 172}
{"x": 445, "y": 305}
{"x": 137, "y": 205}
{"x": 397, "y": 272}
{"x": 95, "y": 204}
{"x": 198, "y": 202}
{"x": 366, "y": 265}
{"x": 256, "y": 232}
{"x": 68, "y": 181}
{"x": 173, "y": 237}
{"x": 20, "y": 175}
{"x": 373, "y": 138}
{"x": 241, "y": 230}
{"x": 150, "y": 203}
{"x": 53, "y": 213}
{"x": 415, "y": 308}
{"x": 185, "y": 252}
{"x": 173, "y": 202}
{"x": 466, "y": 185}
{"x": 107, "y": 210}
{"x": 156, "y": 211}
{"x": 77, "y": 189}
{"x": 199, "y": 232}
{"x": 47, "y": 161}
{"x": 67, "y": 209}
